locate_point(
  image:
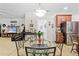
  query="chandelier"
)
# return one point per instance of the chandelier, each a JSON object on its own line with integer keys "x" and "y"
{"x": 40, "y": 12}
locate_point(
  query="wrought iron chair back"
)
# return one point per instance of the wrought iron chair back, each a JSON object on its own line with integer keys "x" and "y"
{"x": 40, "y": 51}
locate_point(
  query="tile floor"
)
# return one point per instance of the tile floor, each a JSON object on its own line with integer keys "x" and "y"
{"x": 8, "y": 48}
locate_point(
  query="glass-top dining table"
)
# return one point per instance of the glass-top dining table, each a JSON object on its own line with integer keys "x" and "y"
{"x": 42, "y": 49}
{"x": 39, "y": 46}
{"x": 39, "y": 49}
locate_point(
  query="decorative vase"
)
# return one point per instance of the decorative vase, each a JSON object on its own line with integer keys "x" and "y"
{"x": 39, "y": 40}
{"x": 39, "y": 37}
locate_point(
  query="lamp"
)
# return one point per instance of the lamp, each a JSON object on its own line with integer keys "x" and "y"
{"x": 40, "y": 12}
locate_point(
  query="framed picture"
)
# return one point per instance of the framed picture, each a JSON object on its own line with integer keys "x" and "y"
{"x": 31, "y": 25}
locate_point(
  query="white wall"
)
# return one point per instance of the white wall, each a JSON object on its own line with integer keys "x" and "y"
{"x": 7, "y": 21}
{"x": 28, "y": 17}
{"x": 49, "y": 32}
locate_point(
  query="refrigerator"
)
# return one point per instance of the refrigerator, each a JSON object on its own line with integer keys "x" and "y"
{"x": 72, "y": 27}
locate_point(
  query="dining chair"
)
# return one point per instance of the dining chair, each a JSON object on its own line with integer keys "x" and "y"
{"x": 40, "y": 51}
{"x": 60, "y": 42}
{"x": 73, "y": 41}
{"x": 19, "y": 42}
{"x": 60, "y": 47}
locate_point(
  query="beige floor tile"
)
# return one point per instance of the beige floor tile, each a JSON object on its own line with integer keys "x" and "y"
{"x": 8, "y": 48}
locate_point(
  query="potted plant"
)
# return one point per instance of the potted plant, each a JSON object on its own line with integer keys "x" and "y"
{"x": 39, "y": 37}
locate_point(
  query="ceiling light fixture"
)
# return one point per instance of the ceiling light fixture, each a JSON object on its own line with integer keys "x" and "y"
{"x": 65, "y": 8}
{"x": 40, "y": 12}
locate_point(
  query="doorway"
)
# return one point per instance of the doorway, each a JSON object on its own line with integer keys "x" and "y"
{"x": 61, "y": 26}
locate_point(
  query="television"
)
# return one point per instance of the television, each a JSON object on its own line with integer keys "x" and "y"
{"x": 12, "y": 29}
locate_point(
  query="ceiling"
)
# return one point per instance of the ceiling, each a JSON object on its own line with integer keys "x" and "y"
{"x": 19, "y": 9}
